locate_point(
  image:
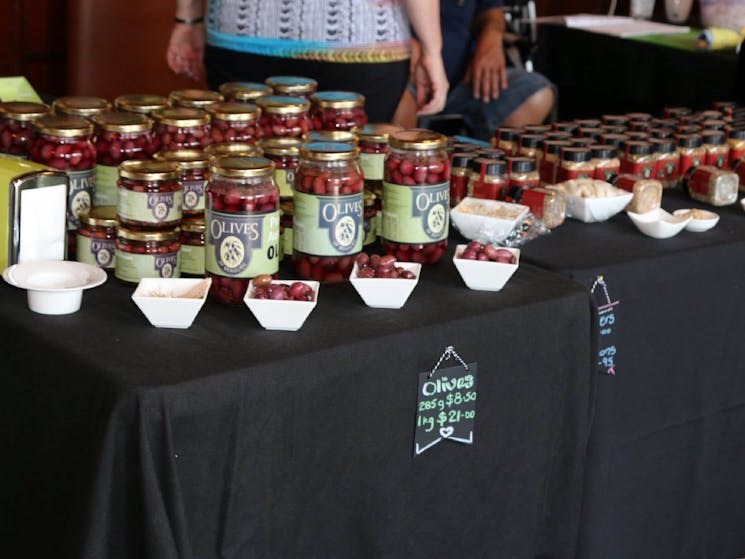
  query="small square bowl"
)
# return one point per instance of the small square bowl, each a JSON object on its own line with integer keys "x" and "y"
{"x": 171, "y": 302}
{"x": 491, "y": 220}
{"x": 701, "y": 220}
{"x": 485, "y": 275}
{"x": 386, "y": 293}
{"x": 593, "y": 210}
{"x": 281, "y": 315}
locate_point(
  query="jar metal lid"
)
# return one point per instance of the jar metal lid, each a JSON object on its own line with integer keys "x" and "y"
{"x": 662, "y": 145}
{"x": 508, "y": 134}
{"x": 590, "y": 132}
{"x": 488, "y": 167}
{"x": 140, "y": 235}
{"x": 283, "y": 104}
{"x": 194, "y": 98}
{"x": 291, "y": 84}
{"x": 186, "y": 158}
{"x": 522, "y": 164}
{"x": 614, "y": 140}
{"x": 101, "y": 216}
{"x": 637, "y": 135}
{"x": 418, "y": 139}
{"x": 343, "y": 136}
{"x": 122, "y": 122}
{"x": 242, "y": 167}
{"x": 602, "y": 152}
{"x": 566, "y": 126}
{"x": 677, "y": 111}
{"x": 337, "y": 99}
{"x": 234, "y": 149}
{"x": 615, "y": 119}
{"x": 63, "y": 126}
{"x": 714, "y": 137}
{"x": 637, "y": 147}
{"x": 465, "y": 146}
{"x": 149, "y": 170}
{"x": 639, "y": 116}
{"x": 581, "y": 142}
{"x": 662, "y": 132}
{"x": 587, "y": 122}
{"x": 140, "y": 103}
{"x": 193, "y": 224}
{"x": 555, "y": 146}
{"x": 575, "y": 153}
{"x": 736, "y": 133}
{"x": 245, "y": 91}
{"x": 329, "y": 151}
{"x": 491, "y": 153}
{"x": 23, "y": 110}
{"x": 182, "y": 116}
{"x": 690, "y": 140}
{"x": 537, "y": 128}
{"x": 612, "y": 128}
{"x": 80, "y": 106}
{"x": 711, "y": 114}
{"x": 532, "y": 140}
{"x": 369, "y": 198}
{"x": 281, "y": 146}
{"x": 377, "y": 132}
{"x": 461, "y": 159}
{"x": 713, "y": 124}
{"x": 234, "y": 111}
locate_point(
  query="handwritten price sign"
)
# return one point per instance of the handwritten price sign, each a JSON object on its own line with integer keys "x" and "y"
{"x": 607, "y": 311}
{"x": 446, "y": 407}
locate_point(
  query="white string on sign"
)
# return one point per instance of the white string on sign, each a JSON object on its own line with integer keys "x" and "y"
{"x": 447, "y": 354}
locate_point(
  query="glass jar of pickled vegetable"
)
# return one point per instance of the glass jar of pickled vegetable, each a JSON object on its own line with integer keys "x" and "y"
{"x": 192, "y": 246}
{"x": 284, "y": 116}
{"x": 416, "y": 197}
{"x": 150, "y": 194}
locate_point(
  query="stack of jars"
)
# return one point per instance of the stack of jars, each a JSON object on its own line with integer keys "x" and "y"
{"x": 149, "y": 210}
{"x": 17, "y": 126}
{"x": 242, "y": 225}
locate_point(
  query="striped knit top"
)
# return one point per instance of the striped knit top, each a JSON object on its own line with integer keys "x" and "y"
{"x": 327, "y": 30}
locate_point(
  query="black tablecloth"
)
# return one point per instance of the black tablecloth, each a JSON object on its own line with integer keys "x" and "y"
{"x": 598, "y": 74}
{"x": 666, "y": 456}
{"x": 226, "y": 440}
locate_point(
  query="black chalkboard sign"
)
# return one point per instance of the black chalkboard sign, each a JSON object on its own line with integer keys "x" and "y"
{"x": 607, "y": 321}
{"x": 446, "y": 406}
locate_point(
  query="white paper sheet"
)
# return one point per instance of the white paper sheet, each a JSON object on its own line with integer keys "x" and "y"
{"x": 43, "y": 223}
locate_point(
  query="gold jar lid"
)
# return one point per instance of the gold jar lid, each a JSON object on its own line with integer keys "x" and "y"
{"x": 142, "y": 236}
{"x": 235, "y": 149}
{"x": 182, "y": 116}
{"x": 242, "y": 167}
{"x": 233, "y": 111}
{"x": 369, "y": 198}
{"x": 63, "y": 126}
{"x": 194, "y": 98}
{"x": 329, "y": 151}
{"x": 193, "y": 224}
{"x": 245, "y": 91}
{"x": 283, "y": 104}
{"x": 295, "y": 85}
{"x": 343, "y": 136}
{"x": 101, "y": 216}
{"x": 337, "y": 99}
{"x": 140, "y": 103}
{"x": 23, "y": 110}
{"x": 122, "y": 122}
{"x": 281, "y": 146}
{"x": 287, "y": 206}
{"x": 418, "y": 138}
{"x": 149, "y": 170}
{"x": 81, "y": 106}
{"x": 186, "y": 158}
{"x": 377, "y": 132}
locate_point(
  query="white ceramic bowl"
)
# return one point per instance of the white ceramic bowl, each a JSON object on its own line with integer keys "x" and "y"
{"x": 593, "y": 210}
{"x": 486, "y": 220}
{"x": 171, "y": 302}
{"x": 701, "y": 220}
{"x": 386, "y": 293}
{"x": 281, "y": 315}
{"x": 659, "y": 224}
{"x": 54, "y": 286}
{"x": 485, "y": 275}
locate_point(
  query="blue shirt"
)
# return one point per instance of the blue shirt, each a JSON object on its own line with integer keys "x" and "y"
{"x": 456, "y": 17}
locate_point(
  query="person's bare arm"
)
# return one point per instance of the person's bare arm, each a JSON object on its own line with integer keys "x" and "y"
{"x": 186, "y": 45}
{"x": 487, "y": 69}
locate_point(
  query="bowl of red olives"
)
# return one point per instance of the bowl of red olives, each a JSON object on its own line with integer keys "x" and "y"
{"x": 281, "y": 304}
{"x": 382, "y": 282}
{"x": 484, "y": 266}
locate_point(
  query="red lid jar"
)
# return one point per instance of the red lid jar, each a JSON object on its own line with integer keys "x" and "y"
{"x": 416, "y": 197}
{"x": 328, "y": 211}
{"x": 241, "y": 235}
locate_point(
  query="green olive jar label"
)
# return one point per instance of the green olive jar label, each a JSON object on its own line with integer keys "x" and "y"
{"x": 416, "y": 214}
{"x": 241, "y": 246}
{"x": 328, "y": 225}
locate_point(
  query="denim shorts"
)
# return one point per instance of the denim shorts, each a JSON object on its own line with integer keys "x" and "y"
{"x": 482, "y": 119}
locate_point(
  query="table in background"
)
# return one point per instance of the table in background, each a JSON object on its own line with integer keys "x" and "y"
{"x": 225, "y": 440}
{"x": 602, "y": 74}
{"x": 666, "y": 456}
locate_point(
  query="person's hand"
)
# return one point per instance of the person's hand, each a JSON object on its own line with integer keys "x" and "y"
{"x": 185, "y": 50}
{"x": 487, "y": 70}
{"x": 431, "y": 83}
